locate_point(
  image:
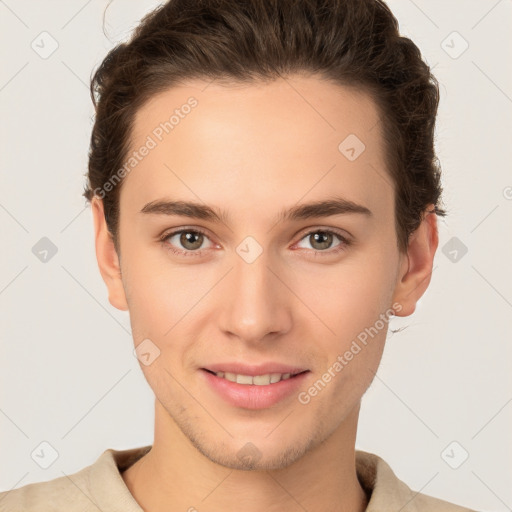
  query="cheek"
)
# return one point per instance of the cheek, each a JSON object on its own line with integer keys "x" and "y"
{"x": 359, "y": 316}
{"x": 159, "y": 293}
{"x": 348, "y": 297}
{"x": 354, "y": 303}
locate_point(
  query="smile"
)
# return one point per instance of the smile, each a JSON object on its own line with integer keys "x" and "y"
{"x": 257, "y": 380}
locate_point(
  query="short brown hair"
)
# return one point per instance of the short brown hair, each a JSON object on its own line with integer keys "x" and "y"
{"x": 352, "y": 42}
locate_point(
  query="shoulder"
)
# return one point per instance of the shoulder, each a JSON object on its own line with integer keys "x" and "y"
{"x": 388, "y": 492}
{"x": 62, "y": 493}
{"x": 99, "y": 486}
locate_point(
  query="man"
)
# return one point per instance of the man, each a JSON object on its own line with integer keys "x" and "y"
{"x": 264, "y": 192}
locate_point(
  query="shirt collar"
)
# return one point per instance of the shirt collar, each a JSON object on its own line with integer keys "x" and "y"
{"x": 384, "y": 490}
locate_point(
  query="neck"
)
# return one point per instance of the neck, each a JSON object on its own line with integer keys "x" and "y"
{"x": 174, "y": 475}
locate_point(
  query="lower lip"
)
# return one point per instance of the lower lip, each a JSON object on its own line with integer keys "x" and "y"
{"x": 251, "y": 396}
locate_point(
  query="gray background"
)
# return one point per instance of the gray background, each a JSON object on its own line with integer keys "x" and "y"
{"x": 68, "y": 376}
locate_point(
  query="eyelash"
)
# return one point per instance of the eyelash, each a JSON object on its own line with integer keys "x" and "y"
{"x": 345, "y": 242}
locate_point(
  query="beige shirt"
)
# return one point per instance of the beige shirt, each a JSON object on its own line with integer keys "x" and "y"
{"x": 100, "y": 487}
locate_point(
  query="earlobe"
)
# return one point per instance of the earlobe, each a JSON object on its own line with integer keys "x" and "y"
{"x": 107, "y": 257}
{"x": 416, "y": 266}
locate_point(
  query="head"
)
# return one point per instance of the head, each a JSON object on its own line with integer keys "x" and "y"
{"x": 264, "y": 114}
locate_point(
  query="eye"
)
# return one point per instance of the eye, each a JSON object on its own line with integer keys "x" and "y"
{"x": 185, "y": 241}
{"x": 322, "y": 239}
{"x": 189, "y": 242}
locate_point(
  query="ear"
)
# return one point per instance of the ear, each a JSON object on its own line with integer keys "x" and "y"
{"x": 416, "y": 266}
{"x": 108, "y": 260}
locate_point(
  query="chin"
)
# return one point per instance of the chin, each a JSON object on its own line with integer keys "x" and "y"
{"x": 252, "y": 458}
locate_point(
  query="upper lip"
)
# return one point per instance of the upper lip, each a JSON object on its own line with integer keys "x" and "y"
{"x": 252, "y": 370}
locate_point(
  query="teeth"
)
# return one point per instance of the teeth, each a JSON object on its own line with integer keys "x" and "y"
{"x": 261, "y": 380}
{"x": 258, "y": 380}
{"x": 275, "y": 377}
{"x": 243, "y": 379}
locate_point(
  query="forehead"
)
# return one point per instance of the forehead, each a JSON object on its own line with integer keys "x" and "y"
{"x": 271, "y": 142}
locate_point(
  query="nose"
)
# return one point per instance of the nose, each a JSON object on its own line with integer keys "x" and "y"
{"x": 254, "y": 304}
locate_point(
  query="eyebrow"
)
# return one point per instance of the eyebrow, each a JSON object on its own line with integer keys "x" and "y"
{"x": 316, "y": 209}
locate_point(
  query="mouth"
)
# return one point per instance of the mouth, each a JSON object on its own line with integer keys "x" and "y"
{"x": 255, "y": 380}
{"x": 258, "y": 391}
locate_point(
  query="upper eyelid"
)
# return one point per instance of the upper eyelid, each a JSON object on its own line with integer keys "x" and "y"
{"x": 174, "y": 232}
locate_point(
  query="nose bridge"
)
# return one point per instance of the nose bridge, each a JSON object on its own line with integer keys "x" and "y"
{"x": 253, "y": 302}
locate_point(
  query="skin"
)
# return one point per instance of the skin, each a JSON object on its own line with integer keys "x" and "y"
{"x": 254, "y": 150}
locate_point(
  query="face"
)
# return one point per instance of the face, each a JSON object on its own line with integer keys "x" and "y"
{"x": 252, "y": 281}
